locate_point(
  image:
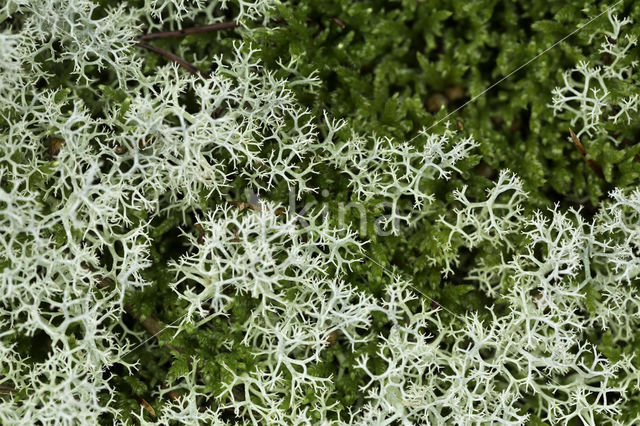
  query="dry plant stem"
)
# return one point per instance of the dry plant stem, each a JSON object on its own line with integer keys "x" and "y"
{"x": 187, "y": 31}
{"x": 5, "y": 389}
{"x": 174, "y": 58}
{"x": 592, "y": 164}
{"x": 181, "y": 33}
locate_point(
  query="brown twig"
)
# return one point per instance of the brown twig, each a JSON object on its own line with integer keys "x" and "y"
{"x": 6, "y": 389}
{"x": 174, "y": 58}
{"x": 201, "y": 233}
{"x": 181, "y": 33}
{"x": 592, "y": 164}
{"x": 187, "y": 31}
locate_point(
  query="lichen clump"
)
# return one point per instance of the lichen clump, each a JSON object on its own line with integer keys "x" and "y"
{"x": 314, "y": 213}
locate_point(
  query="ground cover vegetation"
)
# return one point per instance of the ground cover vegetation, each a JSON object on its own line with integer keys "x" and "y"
{"x": 314, "y": 212}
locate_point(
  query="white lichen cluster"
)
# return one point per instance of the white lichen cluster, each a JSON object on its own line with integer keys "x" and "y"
{"x": 82, "y": 180}
{"x": 537, "y": 348}
{"x": 591, "y": 96}
{"x": 485, "y": 221}
{"x": 380, "y": 169}
{"x": 562, "y": 279}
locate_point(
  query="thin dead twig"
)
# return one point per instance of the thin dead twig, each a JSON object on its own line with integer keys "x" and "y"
{"x": 188, "y": 31}
{"x": 181, "y": 33}
{"x": 174, "y": 58}
{"x": 7, "y": 389}
{"x": 592, "y": 164}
